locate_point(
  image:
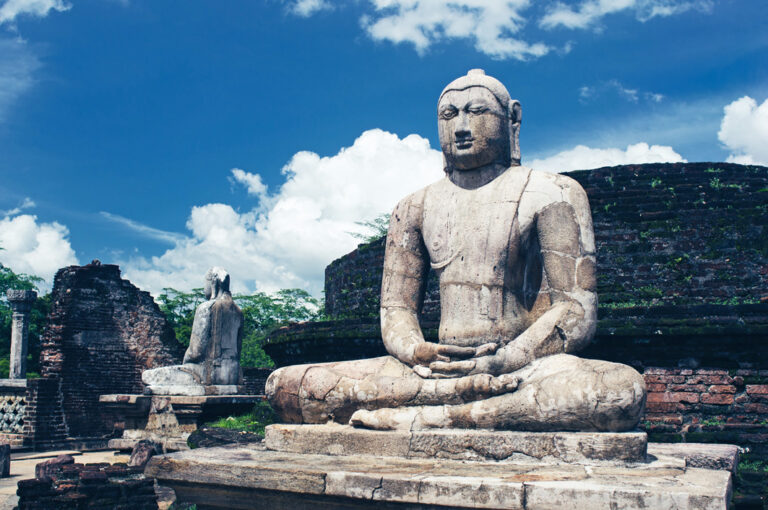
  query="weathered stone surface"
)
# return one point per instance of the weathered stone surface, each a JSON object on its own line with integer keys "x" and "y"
{"x": 21, "y": 303}
{"x": 218, "y": 473}
{"x": 47, "y": 468}
{"x": 143, "y": 451}
{"x": 207, "y": 437}
{"x": 506, "y": 243}
{"x": 5, "y": 460}
{"x": 461, "y": 444}
{"x": 700, "y": 455}
{"x": 169, "y": 420}
{"x": 212, "y": 361}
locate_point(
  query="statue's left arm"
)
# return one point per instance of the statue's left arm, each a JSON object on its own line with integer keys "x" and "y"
{"x": 564, "y": 232}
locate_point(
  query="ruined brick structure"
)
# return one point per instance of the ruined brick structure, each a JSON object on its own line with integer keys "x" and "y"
{"x": 105, "y": 486}
{"x": 682, "y": 253}
{"x": 102, "y": 333}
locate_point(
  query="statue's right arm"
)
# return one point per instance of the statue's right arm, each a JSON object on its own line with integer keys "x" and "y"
{"x": 201, "y": 333}
{"x": 404, "y": 280}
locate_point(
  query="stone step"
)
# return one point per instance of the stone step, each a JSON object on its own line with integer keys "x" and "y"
{"x": 253, "y": 477}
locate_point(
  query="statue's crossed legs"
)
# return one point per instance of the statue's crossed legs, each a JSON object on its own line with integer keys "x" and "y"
{"x": 554, "y": 393}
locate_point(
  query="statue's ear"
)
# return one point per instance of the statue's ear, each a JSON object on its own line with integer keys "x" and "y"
{"x": 515, "y": 111}
{"x": 515, "y": 116}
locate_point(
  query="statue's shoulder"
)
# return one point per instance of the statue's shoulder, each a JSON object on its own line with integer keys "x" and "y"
{"x": 555, "y": 187}
{"x": 415, "y": 201}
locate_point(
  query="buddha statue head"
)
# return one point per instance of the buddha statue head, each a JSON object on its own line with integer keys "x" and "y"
{"x": 216, "y": 283}
{"x": 478, "y": 123}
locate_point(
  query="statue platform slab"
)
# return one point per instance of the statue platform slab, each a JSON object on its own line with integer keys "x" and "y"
{"x": 463, "y": 444}
{"x": 196, "y": 390}
{"x": 252, "y": 476}
{"x": 169, "y": 419}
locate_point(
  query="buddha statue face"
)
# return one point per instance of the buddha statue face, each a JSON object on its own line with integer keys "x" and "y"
{"x": 473, "y": 128}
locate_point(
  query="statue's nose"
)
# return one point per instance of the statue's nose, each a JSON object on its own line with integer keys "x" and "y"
{"x": 462, "y": 125}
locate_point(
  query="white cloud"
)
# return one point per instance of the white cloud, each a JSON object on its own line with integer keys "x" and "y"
{"x": 11, "y": 9}
{"x": 582, "y": 157}
{"x": 614, "y": 86}
{"x": 489, "y": 24}
{"x": 147, "y": 231}
{"x": 744, "y": 130}
{"x": 17, "y": 66}
{"x": 303, "y": 226}
{"x": 590, "y": 12}
{"x": 35, "y": 248}
{"x": 252, "y": 183}
{"x": 494, "y": 27}
{"x": 306, "y": 8}
{"x": 27, "y": 203}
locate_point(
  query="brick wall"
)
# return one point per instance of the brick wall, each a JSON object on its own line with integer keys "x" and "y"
{"x": 666, "y": 234}
{"x": 102, "y": 333}
{"x": 44, "y": 415}
{"x": 708, "y": 405}
{"x": 254, "y": 379}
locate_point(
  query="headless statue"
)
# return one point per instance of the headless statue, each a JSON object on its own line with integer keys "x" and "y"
{"x": 514, "y": 252}
{"x": 212, "y": 360}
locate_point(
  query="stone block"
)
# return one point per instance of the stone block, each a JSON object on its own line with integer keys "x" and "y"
{"x": 5, "y": 460}
{"x": 510, "y": 446}
{"x": 50, "y": 467}
{"x": 216, "y": 476}
{"x": 700, "y": 455}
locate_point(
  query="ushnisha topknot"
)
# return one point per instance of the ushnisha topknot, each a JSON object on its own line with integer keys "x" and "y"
{"x": 478, "y": 78}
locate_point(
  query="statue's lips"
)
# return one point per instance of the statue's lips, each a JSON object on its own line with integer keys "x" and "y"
{"x": 465, "y": 143}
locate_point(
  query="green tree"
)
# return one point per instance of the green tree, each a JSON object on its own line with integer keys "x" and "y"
{"x": 37, "y": 317}
{"x": 179, "y": 309}
{"x": 262, "y": 313}
{"x": 375, "y": 228}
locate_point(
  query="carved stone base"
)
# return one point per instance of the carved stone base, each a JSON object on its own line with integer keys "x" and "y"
{"x": 462, "y": 444}
{"x": 254, "y": 477}
{"x": 169, "y": 420}
{"x": 196, "y": 390}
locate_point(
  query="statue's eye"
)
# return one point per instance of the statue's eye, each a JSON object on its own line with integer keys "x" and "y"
{"x": 477, "y": 110}
{"x": 448, "y": 113}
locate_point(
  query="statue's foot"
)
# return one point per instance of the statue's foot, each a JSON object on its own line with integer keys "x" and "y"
{"x": 402, "y": 418}
{"x": 481, "y": 386}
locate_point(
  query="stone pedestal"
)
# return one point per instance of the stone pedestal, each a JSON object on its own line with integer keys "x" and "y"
{"x": 330, "y": 467}
{"x": 21, "y": 304}
{"x": 169, "y": 420}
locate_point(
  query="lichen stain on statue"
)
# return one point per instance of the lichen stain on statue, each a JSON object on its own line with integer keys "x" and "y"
{"x": 212, "y": 361}
{"x": 514, "y": 252}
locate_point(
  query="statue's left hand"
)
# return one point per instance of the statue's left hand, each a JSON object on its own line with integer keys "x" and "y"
{"x": 481, "y": 363}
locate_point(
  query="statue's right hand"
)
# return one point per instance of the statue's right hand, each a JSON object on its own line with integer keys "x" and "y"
{"x": 427, "y": 352}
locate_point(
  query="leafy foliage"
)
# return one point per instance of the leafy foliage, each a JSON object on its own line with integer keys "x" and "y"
{"x": 40, "y": 309}
{"x": 179, "y": 309}
{"x": 375, "y": 228}
{"x": 255, "y": 421}
{"x": 262, "y": 313}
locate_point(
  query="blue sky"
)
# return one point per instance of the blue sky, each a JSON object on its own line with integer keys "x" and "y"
{"x": 122, "y": 123}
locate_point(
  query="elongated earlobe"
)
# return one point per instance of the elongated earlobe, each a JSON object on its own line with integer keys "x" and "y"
{"x": 515, "y": 116}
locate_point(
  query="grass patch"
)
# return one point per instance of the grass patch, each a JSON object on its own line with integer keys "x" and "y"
{"x": 255, "y": 421}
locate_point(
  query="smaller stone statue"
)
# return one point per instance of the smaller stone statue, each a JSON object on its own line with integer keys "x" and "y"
{"x": 212, "y": 361}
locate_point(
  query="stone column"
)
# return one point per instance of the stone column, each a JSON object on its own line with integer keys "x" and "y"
{"x": 21, "y": 303}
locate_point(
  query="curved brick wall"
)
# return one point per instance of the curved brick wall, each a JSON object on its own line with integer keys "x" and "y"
{"x": 672, "y": 234}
